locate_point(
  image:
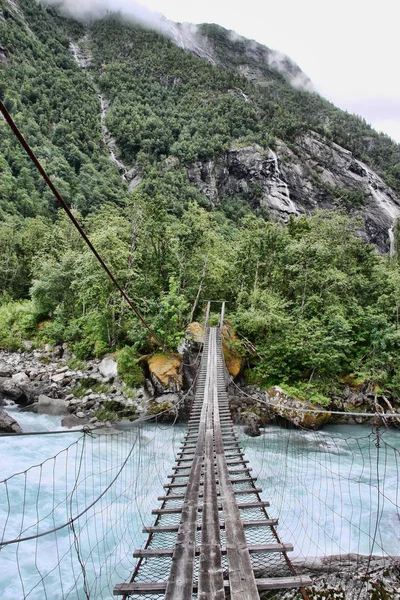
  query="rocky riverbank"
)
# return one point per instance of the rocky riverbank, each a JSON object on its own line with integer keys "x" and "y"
{"x": 51, "y": 381}
{"x": 347, "y": 577}
{"x": 255, "y": 408}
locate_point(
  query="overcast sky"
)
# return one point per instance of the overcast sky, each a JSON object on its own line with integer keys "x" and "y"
{"x": 349, "y": 48}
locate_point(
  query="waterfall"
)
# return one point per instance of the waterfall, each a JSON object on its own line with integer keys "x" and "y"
{"x": 382, "y": 199}
{"x": 391, "y": 241}
{"x": 282, "y": 188}
{"x": 84, "y": 60}
{"x": 109, "y": 140}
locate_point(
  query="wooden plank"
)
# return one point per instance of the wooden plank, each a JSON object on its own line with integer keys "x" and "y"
{"x": 241, "y": 505}
{"x": 173, "y": 528}
{"x": 180, "y": 581}
{"x": 129, "y": 589}
{"x": 241, "y": 576}
{"x": 283, "y": 583}
{"x": 204, "y": 556}
{"x": 211, "y": 581}
{"x": 271, "y": 583}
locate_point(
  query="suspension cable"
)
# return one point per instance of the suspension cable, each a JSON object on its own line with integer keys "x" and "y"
{"x": 64, "y": 205}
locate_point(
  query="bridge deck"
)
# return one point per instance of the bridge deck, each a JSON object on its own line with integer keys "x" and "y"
{"x": 212, "y": 534}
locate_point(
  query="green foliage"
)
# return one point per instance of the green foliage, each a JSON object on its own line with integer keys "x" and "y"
{"x": 87, "y": 384}
{"x": 170, "y": 321}
{"x": 314, "y": 301}
{"x": 17, "y": 323}
{"x": 128, "y": 368}
{"x": 308, "y": 393}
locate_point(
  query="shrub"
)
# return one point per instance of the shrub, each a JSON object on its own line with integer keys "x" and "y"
{"x": 128, "y": 368}
{"x": 17, "y": 322}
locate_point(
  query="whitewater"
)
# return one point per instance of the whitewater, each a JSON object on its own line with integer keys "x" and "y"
{"x": 329, "y": 490}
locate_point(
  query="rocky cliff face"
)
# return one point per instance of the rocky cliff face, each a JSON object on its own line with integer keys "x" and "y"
{"x": 314, "y": 174}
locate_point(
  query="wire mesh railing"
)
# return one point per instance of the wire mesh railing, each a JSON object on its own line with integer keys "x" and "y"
{"x": 68, "y": 525}
{"x": 336, "y": 494}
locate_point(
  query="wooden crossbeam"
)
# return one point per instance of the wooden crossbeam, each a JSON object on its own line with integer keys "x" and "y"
{"x": 253, "y": 549}
{"x": 271, "y": 583}
{"x": 172, "y": 528}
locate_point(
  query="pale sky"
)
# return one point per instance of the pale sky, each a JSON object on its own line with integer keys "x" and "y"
{"x": 350, "y": 49}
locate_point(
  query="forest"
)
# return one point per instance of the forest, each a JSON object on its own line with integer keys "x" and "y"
{"x": 314, "y": 305}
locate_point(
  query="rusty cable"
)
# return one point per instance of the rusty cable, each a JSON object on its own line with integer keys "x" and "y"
{"x": 64, "y": 205}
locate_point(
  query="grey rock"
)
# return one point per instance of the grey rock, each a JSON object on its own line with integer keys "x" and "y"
{"x": 8, "y": 424}
{"x": 10, "y": 389}
{"x": 73, "y": 421}
{"x": 344, "y": 576}
{"x": 294, "y": 410}
{"x": 57, "y": 352}
{"x": 20, "y": 378}
{"x": 108, "y": 367}
{"x": 80, "y": 415}
{"x": 27, "y": 345}
{"x": 252, "y": 426}
{"x": 291, "y": 184}
{"x": 58, "y": 377}
{"x": 5, "y": 370}
{"x": 51, "y": 406}
{"x": 73, "y": 401}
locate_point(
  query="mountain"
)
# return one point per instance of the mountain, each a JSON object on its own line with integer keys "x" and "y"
{"x": 198, "y": 162}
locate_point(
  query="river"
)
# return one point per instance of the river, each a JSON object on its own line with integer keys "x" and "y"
{"x": 333, "y": 491}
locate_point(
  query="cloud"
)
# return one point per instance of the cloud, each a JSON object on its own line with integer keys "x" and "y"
{"x": 295, "y": 76}
{"x": 90, "y": 10}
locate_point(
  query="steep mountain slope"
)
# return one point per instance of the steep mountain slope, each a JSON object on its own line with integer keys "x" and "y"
{"x": 185, "y": 168}
{"x": 231, "y": 136}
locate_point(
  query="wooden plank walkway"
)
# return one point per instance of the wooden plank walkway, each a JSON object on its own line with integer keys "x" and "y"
{"x": 212, "y": 534}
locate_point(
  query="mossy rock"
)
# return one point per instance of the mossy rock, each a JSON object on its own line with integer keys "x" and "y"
{"x": 114, "y": 411}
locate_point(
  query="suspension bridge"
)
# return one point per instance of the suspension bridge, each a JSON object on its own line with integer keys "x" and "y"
{"x": 212, "y": 532}
{"x": 68, "y": 524}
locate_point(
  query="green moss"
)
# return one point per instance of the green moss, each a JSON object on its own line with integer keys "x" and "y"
{"x": 156, "y": 409}
{"x": 114, "y": 411}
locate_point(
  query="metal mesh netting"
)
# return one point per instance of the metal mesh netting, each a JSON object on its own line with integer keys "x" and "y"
{"x": 69, "y": 525}
{"x": 336, "y": 494}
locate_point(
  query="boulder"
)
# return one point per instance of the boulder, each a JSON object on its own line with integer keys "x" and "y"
{"x": 294, "y": 410}
{"x": 8, "y": 424}
{"x": 73, "y": 421}
{"x": 108, "y": 367}
{"x": 5, "y": 370}
{"x": 10, "y": 389}
{"x": 20, "y": 378}
{"x": 252, "y": 426}
{"x": 51, "y": 406}
{"x": 231, "y": 350}
{"x": 195, "y": 332}
{"x": 166, "y": 372}
{"x": 165, "y": 406}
